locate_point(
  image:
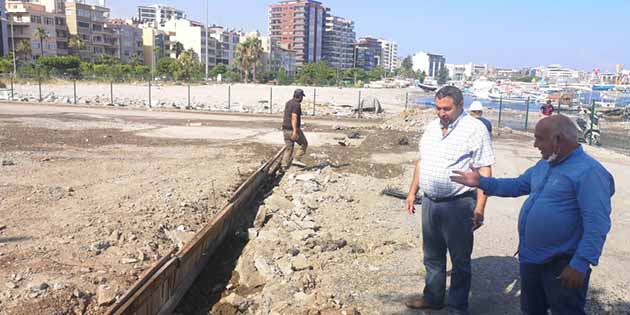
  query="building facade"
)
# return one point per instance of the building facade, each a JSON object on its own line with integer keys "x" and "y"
{"x": 431, "y": 64}
{"x": 25, "y": 19}
{"x": 158, "y": 15}
{"x": 87, "y": 22}
{"x": 276, "y": 58}
{"x": 367, "y": 53}
{"x": 130, "y": 41}
{"x": 191, "y": 34}
{"x": 4, "y": 35}
{"x": 338, "y": 42}
{"x": 299, "y": 25}
{"x": 225, "y": 41}
{"x": 389, "y": 55}
{"x": 155, "y": 45}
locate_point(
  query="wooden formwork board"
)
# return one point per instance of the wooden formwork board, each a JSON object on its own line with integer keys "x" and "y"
{"x": 161, "y": 288}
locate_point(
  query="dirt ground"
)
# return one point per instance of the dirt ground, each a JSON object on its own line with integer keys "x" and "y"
{"x": 91, "y": 197}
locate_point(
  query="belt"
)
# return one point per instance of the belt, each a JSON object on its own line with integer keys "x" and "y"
{"x": 471, "y": 193}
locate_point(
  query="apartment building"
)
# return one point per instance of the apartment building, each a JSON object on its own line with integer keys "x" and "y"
{"x": 389, "y": 55}
{"x": 158, "y": 15}
{"x": 88, "y": 23}
{"x": 226, "y": 42}
{"x": 155, "y": 45}
{"x": 25, "y": 19}
{"x": 338, "y": 43}
{"x": 431, "y": 64}
{"x": 130, "y": 38}
{"x": 299, "y": 25}
{"x": 4, "y": 35}
{"x": 191, "y": 34}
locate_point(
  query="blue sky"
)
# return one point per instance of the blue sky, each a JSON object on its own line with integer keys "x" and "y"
{"x": 580, "y": 34}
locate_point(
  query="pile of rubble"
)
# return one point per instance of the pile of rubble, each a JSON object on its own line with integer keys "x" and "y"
{"x": 412, "y": 120}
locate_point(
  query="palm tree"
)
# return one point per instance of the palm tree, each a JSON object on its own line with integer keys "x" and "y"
{"x": 40, "y": 33}
{"x": 248, "y": 55}
{"x": 76, "y": 44}
{"x": 178, "y": 48}
{"x": 24, "y": 49}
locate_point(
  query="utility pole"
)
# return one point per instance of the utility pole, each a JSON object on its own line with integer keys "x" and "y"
{"x": 206, "y": 38}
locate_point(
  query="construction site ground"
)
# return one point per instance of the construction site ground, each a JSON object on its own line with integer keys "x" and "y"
{"x": 92, "y": 196}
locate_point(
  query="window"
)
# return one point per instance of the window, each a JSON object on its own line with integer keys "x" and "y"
{"x": 83, "y": 13}
{"x": 49, "y": 21}
{"x": 83, "y": 24}
{"x": 36, "y": 19}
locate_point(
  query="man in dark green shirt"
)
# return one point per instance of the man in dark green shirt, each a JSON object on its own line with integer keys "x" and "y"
{"x": 292, "y": 129}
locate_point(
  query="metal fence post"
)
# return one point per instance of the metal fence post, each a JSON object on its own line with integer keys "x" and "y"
{"x": 111, "y": 91}
{"x": 590, "y": 138}
{"x": 406, "y": 100}
{"x": 359, "y": 107}
{"x": 74, "y": 90}
{"x": 271, "y": 100}
{"x": 12, "y": 91}
{"x": 39, "y": 80}
{"x": 189, "y": 94}
{"x": 527, "y": 115}
{"x": 150, "y": 94}
{"x": 500, "y": 111}
{"x": 229, "y": 97}
{"x": 559, "y": 98}
{"x": 314, "y": 100}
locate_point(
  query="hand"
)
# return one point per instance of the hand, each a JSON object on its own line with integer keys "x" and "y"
{"x": 571, "y": 278}
{"x": 470, "y": 179}
{"x": 294, "y": 137}
{"x": 477, "y": 219}
{"x": 410, "y": 203}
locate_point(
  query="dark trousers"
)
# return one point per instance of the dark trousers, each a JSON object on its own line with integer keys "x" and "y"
{"x": 447, "y": 225}
{"x": 541, "y": 290}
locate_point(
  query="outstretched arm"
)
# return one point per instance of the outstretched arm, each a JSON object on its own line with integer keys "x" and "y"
{"x": 505, "y": 187}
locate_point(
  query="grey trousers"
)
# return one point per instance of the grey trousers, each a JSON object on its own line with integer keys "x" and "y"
{"x": 447, "y": 225}
{"x": 288, "y": 154}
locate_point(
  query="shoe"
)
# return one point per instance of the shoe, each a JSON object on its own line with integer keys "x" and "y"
{"x": 421, "y": 304}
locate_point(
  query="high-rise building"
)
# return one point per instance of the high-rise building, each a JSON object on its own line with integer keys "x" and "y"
{"x": 156, "y": 44}
{"x": 431, "y": 64}
{"x": 339, "y": 40}
{"x": 86, "y": 22}
{"x": 4, "y": 36}
{"x": 130, "y": 40}
{"x": 389, "y": 55}
{"x": 368, "y": 53}
{"x": 158, "y": 15}
{"x": 299, "y": 25}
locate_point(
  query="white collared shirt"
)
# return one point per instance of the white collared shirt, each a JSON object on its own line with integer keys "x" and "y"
{"x": 466, "y": 141}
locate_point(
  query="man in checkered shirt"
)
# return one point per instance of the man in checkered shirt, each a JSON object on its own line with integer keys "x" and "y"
{"x": 450, "y": 212}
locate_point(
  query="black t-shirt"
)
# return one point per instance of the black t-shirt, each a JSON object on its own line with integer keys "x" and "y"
{"x": 292, "y": 107}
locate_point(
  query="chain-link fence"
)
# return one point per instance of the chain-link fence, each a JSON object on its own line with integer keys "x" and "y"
{"x": 608, "y": 127}
{"x": 143, "y": 92}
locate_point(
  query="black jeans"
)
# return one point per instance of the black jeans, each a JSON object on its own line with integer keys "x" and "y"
{"x": 541, "y": 289}
{"x": 447, "y": 225}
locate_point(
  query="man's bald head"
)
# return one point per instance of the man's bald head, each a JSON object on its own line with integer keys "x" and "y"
{"x": 556, "y": 137}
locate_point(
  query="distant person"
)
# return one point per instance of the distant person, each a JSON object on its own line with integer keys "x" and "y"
{"x": 476, "y": 110}
{"x": 563, "y": 223}
{"x": 450, "y": 212}
{"x": 292, "y": 129}
{"x": 547, "y": 109}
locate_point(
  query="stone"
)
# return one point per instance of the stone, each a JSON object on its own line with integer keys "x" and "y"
{"x": 265, "y": 269}
{"x": 403, "y": 141}
{"x": 128, "y": 261}
{"x": 300, "y": 262}
{"x": 7, "y": 163}
{"x": 293, "y": 251}
{"x": 235, "y": 300}
{"x": 41, "y": 286}
{"x": 100, "y": 246}
{"x": 11, "y": 285}
{"x": 276, "y": 202}
{"x": 341, "y": 243}
{"x": 179, "y": 237}
{"x": 262, "y": 217}
{"x": 302, "y": 235}
{"x": 105, "y": 295}
{"x": 303, "y": 298}
{"x": 305, "y": 177}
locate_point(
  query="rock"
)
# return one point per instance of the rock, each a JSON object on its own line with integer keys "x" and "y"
{"x": 10, "y": 285}
{"x": 305, "y": 177}
{"x": 276, "y": 202}
{"x": 100, "y": 246}
{"x": 261, "y": 218}
{"x": 354, "y": 135}
{"x": 265, "y": 269}
{"x": 7, "y": 163}
{"x": 341, "y": 243}
{"x": 248, "y": 276}
{"x": 303, "y": 298}
{"x": 300, "y": 262}
{"x": 105, "y": 295}
{"x": 179, "y": 237}
{"x": 235, "y": 300}
{"x": 403, "y": 141}
{"x": 302, "y": 235}
{"x": 293, "y": 251}
{"x": 78, "y": 293}
{"x": 41, "y": 286}
{"x": 252, "y": 234}
{"x": 128, "y": 261}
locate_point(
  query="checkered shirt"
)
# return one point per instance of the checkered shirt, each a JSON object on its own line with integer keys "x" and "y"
{"x": 466, "y": 142}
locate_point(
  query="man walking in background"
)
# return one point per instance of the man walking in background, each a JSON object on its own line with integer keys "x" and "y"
{"x": 563, "y": 223}
{"x": 476, "y": 110}
{"x": 450, "y": 211}
{"x": 292, "y": 130}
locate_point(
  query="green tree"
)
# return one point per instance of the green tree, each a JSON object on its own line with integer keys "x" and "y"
{"x": 178, "y": 48}
{"x": 406, "y": 69}
{"x": 376, "y": 74}
{"x": 41, "y": 35}
{"x": 166, "y": 67}
{"x": 355, "y": 75}
{"x": 248, "y": 55}
{"x": 75, "y": 44}
{"x": 218, "y": 69}
{"x": 319, "y": 73}
{"x": 282, "y": 77}
{"x": 443, "y": 76}
{"x": 24, "y": 49}
{"x": 187, "y": 66}
{"x": 60, "y": 65}
{"x": 422, "y": 76}
{"x": 6, "y": 65}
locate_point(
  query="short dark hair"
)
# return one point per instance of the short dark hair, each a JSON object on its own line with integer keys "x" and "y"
{"x": 452, "y": 92}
